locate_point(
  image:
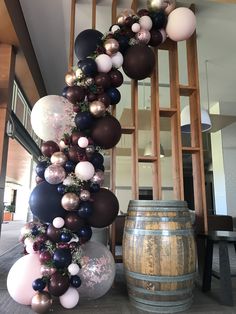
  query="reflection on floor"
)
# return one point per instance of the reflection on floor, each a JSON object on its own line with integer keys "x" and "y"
{"x": 114, "y": 302}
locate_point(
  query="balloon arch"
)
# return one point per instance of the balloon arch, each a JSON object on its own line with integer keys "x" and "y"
{"x": 69, "y": 199}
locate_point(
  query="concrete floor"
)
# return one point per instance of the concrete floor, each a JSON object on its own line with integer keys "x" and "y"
{"x": 114, "y": 302}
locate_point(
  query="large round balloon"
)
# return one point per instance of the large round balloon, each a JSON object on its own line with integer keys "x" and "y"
{"x": 139, "y": 62}
{"x": 181, "y": 24}
{"x": 106, "y": 132}
{"x": 86, "y": 43}
{"x": 20, "y": 278}
{"x": 105, "y": 208}
{"x": 45, "y": 202}
{"x": 98, "y": 270}
{"x": 51, "y": 117}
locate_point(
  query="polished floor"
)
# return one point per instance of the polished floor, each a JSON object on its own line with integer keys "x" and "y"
{"x": 114, "y": 302}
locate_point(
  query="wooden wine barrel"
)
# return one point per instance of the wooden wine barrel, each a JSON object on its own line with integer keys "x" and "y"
{"x": 159, "y": 255}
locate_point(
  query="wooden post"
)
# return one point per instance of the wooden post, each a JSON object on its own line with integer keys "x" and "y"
{"x": 7, "y": 68}
{"x": 72, "y": 35}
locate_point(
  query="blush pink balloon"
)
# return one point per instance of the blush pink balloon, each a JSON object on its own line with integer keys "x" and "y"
{"x": 83, "y": 142}
{"x": 181, "y": 24}
{"x": 84, "y": 170}
{"x": 54, "y": 174}
{"x": 20, "y": 278}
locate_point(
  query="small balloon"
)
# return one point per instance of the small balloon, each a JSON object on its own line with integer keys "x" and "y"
{"x": 143, "y": 36}
{"x": 116, "y": 78}
{"x": 111, "y": 46}
{"x": 58, "y": 158}
{"x": 117, "y": 60}
{"x": 62, "y": 258}
{"x": 70, "y": 78}
{"x": 84, "y": 170}
{"x": 136, "y": 27}
{"x": 58, "y": 283}
{"x": 145, "y": 22}
{"x": 73, "y": 222}
{"x": 73, "y": 269}
{"x": 54, "y": 174}
{"x": 48, "y": 148}
{"x": 88, "y": 67}
{"x": 41, "y": 302}
{"x": 70, "y": 201}
{"x": 70, "y": 298}
{"x": 104, "y": 63}
{"x": 84, "y": 195}
{"x": 97, "y": 108}
{"x": 83, "y": 142}
{"x": 98, "y": 177}
{"x": 58, "y": 222}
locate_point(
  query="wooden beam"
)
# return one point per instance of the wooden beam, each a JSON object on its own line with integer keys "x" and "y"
{"x": 72, "y": 35}
{"x": 113, "y": 11}
{"x": 94, "y": 4}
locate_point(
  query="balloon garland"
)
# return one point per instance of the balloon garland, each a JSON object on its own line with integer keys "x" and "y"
{"x": 69, "y": 199}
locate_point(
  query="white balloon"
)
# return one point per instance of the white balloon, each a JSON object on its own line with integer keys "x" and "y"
{"x": 104, "y": 63}
{"x": 73, "y": 269}
{"x": 20, "y": 278}
{"x": 70, "y": 298}
{"x": 58, "y": 222}
{"x": 83, "y": 142}
{"x": 145, "y": 22}
{"x": 115, "y": 28}
{"x": 84, "y": 170}
{"x": 135, "y": 27}
{"x": 51, "y": 117}
{"x": 181, "y": 24}
{"x": 117, "y": 60}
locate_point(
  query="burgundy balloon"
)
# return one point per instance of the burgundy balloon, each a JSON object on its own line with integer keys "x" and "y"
{"x": 38, "y": 180}
{"x": 116, "y": 78}
{"x": 76, "y": 154}
{"x": 139, "y": 62}
{"x": 74, "y": 222}
{"x": 49, "y": 147}
{"x": 142, "y": 12}
{"x": 105, "y": 208}
{"x": 45, "y": 257}
{"x": 58, "y": 284}
{"x": 103, "y": 80}
{"x": 54, "y": 234}
{"x": 106, "y": 132}
{"x": 104, "y": 98}
{"x": 91, "y": 97}
{"x": 156, "y": 38}
{"x": 75, "y": 136}
{"x": 75, "y": 94}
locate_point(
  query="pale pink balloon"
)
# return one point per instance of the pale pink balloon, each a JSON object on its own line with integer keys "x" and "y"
{"x": 84, "y": 170}
{"x": 58, "y": 222}
{"x": 70, "y": 298}
{"x": 135, "y": 27}
{"x": 145, "y": 22}
{"x": 104, "y": 63}
{"x": 83, "y": 142}
{"x": 20, "y": 278}
{"x": 181, "y": 24}
{"x": 54, "y": 174}
{"x": 143, "y": 36}
{"x": 73, "y": 269}
{"x": 117, "y": 60}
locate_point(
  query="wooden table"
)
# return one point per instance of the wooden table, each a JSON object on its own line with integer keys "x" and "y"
{"x": 222, "y": 238}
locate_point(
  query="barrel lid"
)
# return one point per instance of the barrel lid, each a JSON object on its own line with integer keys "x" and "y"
{"x": 157, "y": 203}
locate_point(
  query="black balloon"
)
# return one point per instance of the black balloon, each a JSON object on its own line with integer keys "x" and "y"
{"x": 45, "y": 202}
{"x": 156, "y": 38}
{"x": 106, "y": 132}
{"x": 88, "y": 66}
{"x": 105, "y": 208}
{"x": 159, "y": 19}
{"x": 116, "y": 78}
{"x": 86, "y": 43}
{"x": 139, "y": 62}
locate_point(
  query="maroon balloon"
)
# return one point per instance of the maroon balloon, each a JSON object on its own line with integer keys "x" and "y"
{"x": 58, "y": 284}
{"x": 156, "y": 38}
{"x": 54, "y": 234}
{"x": 75, "y": 94}
{"x": 105, "y": 208}
{"x": 116, "y": 78}
{"x": 48, "y": 148}
{"x": 76, "y": 108}
{"x": 139, "y": 62}
{"x": 91, "y": 97}
{"x": 62, "y": 245}
{"x": 103, "y": 80}
{"x": 142, "y": 12}
{"x": 38, "y": 180}
{"x": 74, "y": 222}
{"x": 42, "y": 238}
{"x": 45, "y": 257}
{"x": 76, "y": 154}
{"x": 106, "y": 132}
{"x": 104, "y": 98}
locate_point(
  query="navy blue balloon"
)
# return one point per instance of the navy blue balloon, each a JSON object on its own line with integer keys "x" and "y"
{"x": 65, "y": 237}
{"x": 123, "y": 43}
{"x": 38, "y": 284}
{"x": 85, "y": 234}
{"x": 159, "y": 19}
{"x": 40, "y": 168}
{"x": 69, "y": 166}
{"x": 88, "y": 66}
{"x": 85, "y": 209}
{"x": 75, "y": 281}
{"x": 34, "y": 231}
{"x": 84, "y": 120}
{"x": 97, "y": 160}
{"x": 64, "y": 91}
{"x": 94, "y": 187}
{"x": 114, "y": 95}
{"x": 86, "y": 43}
{"x": 45, "y": 202}
{"x": 101, "y": 167}
{"x": 62, "y": 258}
{"x": 61, "y": 189}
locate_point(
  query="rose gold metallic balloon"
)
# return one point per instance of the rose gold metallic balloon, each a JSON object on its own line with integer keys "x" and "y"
{"x": 41, "y": 302}
{"x": 158, "y": 5}
{"x": 97, "y": 108}
{"x": 84, "y": 195}
{"x": 123, "y": 15}
{"x": 70, "y": 78}
{"x": 47, "y": 271}
{"x": 54, "y": 174}
{"x": 70, "y": 201}
{"x": 58, "y": 158}
{"x": 98, "y": 177}
{"x": 143, "y": 36}
{"x": 111, "y": 46}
